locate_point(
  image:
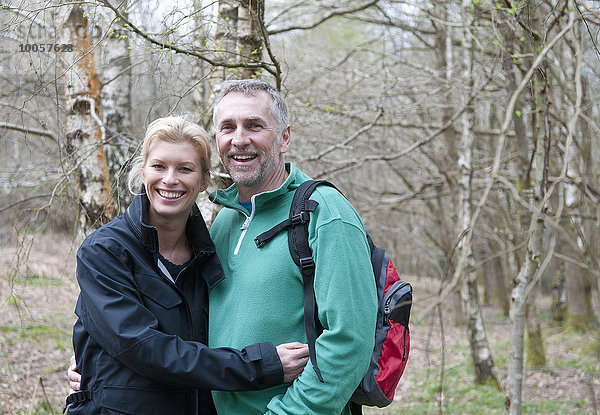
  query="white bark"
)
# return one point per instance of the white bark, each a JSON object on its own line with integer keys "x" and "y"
{"x": 84, "y": 132}
{"x": 530, "y": 268}
{"x": 480, "y": 351}
{"x": 237, "y": 40}
{"x": 115, "y": 80}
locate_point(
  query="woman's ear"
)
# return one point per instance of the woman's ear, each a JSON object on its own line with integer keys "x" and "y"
{"x": 205, "y": 181}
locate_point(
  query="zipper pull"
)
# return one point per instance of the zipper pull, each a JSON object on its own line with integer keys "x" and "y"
{"x": 245, "y": 224}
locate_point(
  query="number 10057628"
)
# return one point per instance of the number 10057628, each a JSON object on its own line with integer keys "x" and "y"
{"x": 45, "y": 47}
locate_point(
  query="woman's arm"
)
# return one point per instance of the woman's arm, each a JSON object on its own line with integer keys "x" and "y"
{"x": 113, "y": 313}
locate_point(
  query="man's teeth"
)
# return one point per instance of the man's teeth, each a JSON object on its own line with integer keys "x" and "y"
{"x": 170, "y": 195}
{"x": 243, "y": 157}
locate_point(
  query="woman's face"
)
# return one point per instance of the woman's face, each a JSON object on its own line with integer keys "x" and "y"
{"x": 173, "y": 176}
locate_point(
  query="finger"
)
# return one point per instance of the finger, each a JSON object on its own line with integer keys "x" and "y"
{"x": 294, "y": 345}
{"x": 302, "y": 352}
{"x": 74, "y": 377}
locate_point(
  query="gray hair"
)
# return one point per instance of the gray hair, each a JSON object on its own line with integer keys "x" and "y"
{"x": 251, "y": 87}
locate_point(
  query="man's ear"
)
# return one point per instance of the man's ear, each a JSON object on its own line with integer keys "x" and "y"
{"x": 286, "y": 135}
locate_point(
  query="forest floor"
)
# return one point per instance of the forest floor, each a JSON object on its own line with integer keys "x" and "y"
{"x": 38, "y": 293}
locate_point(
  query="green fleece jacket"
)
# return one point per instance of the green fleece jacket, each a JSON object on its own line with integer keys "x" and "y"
{"x": 262, "y": 297}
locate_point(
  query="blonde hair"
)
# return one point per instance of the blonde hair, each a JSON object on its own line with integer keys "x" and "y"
{"x": 172, "y": 130}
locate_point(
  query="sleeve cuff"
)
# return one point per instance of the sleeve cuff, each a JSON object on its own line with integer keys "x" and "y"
{"x": 268, "y": 364}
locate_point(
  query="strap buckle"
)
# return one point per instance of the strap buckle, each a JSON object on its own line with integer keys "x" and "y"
{"x": 307, "y": 264}
{"x": 301, "y": 217}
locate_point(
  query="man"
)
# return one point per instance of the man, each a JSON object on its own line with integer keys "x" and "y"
{"x": 262, "y": 298}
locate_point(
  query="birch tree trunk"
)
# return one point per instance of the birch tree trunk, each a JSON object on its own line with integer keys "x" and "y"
{"x": 533, "y": 251}
{"x": 84, "y": 134}
{"x": 485, "y": 370}
{"x": 237, "y": 40}
{"x": 115, "y": 80}
{"x": 202, "y": 106}
{"x": 447, "y": 212}
{"x": 533, "y": 258}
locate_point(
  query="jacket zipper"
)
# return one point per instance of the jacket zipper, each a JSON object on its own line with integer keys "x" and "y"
{"x": 245, "y": 226}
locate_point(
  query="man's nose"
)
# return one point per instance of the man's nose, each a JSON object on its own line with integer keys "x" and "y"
{"x": 241, "y": 138}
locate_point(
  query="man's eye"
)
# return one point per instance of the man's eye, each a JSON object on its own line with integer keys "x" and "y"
{"x": 186, "y": 169}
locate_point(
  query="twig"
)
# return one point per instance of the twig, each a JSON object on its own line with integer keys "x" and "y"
{"x": 46, "y": 396}
{"x": 347, "y": 140}
{"x": 594, "y": 402}
{"x": 129, "y": 25}
{"x": 28, "y": 130}
{"x": 328, "y": 16}
{"x": 443, "y": 360}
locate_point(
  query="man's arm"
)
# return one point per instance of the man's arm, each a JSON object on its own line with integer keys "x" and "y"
{"x": 347, "y": 302}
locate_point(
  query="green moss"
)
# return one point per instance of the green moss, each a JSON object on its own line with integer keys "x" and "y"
{"x": 580, "y": 323}
{"x": 536, "y": 356}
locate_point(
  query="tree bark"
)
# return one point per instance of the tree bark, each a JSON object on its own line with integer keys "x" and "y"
{"x": 533, "y": 254}
{"x": 115, "y": 81}
{"x": 84, "y": 134}
{"x": 485, "y": 371}
{"x": 237, "y": 39}
{"x": 536, "y": 355}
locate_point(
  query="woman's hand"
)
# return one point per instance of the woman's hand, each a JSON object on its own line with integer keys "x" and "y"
{"x": 73, "y": 376}
{"x": 294, "y": 357}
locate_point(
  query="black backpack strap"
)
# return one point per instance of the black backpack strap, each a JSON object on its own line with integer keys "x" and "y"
{"x": 297, "y": 226}
{"x": 302, "y": 256}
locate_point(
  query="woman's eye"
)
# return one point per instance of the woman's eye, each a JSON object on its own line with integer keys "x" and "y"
{"x": 157, "y": 166}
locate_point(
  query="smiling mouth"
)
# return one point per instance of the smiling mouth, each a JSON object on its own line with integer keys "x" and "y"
{"x": 170, "y": 195}
{"x": 243, "y": 157}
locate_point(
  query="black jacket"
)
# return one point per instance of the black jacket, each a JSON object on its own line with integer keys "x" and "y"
{"x": 140, "y": 338}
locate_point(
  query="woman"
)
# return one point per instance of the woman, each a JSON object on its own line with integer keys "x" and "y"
{"x": 144, "y": 278}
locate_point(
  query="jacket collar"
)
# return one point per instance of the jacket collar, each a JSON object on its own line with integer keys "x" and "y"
{"x": 196, "y": 230}
{"x": 229, "y": 197}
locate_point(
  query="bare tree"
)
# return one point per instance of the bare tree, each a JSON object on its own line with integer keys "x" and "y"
{"x": 485, "y": 370}
{"x": 85, "y": 134}
{"x": 115, "y": 91}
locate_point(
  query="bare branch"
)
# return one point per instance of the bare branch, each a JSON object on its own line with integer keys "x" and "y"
{"x": 28, "y": 130}
{"x": 496, "y": 165}
{"x": 333, "y": 13}
{"x": 347, "y": 140}
{"x": 176, "y": 49}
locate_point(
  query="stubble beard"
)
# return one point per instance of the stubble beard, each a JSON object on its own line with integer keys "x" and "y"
{"x": 245, "y": 177}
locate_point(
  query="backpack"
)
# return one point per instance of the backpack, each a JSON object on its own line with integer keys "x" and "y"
{"x": 392, "y": 337}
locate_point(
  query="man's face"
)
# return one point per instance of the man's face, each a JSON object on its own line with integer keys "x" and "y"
{"x": 247, "y": 139}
